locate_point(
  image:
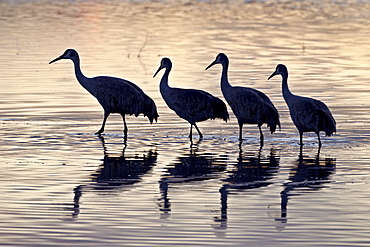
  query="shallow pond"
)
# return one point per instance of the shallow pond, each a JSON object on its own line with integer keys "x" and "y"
{"x": 62, "y": 185}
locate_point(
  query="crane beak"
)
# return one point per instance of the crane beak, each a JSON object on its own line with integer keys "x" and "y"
{"x": 213, "y": 63}
{"x": 159, "y": 69}
{"x": 272, "y": 75}
{"x": 57, "y": 59}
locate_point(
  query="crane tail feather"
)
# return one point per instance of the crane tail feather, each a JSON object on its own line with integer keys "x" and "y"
{"x": 272, "y": 119}
{"x": 219, "y": 110}
{"x": 150, "y": 109}
{"x": 327, "y": 123}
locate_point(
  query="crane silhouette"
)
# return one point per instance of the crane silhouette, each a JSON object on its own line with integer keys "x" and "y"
{"x": 115, "y": 95}
{"x": 190, "y": 104}
{"x": 307, "y": 114}
{"x": 249, "y": 105}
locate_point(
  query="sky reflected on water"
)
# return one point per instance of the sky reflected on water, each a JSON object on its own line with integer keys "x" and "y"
{"x": 61, "y": 184}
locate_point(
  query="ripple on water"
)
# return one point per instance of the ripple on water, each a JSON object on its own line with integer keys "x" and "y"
{"x": 61, "y": 184}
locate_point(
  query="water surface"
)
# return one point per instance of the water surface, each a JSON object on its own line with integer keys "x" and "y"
{"x": 62, "y": 185}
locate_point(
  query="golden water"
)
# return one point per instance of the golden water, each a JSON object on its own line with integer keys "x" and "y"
{"x": 62, "y": 185}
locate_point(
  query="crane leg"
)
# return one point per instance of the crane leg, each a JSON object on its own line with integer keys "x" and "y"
{"x": 301, "y": 138}
{"x": 261, "y": 136}
{"x": 125, "y": 129}
{"x": 191, "y": 132}
{"x": 240, "y": 132}
{"x": 106, "y": 114}
{"x": 200, "y": 133}
{"x": 318, "y": 137}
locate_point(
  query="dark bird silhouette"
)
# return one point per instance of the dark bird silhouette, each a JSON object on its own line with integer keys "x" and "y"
{"x": 115, "y": 95}
{"x": 190, "y": 104}
{"x": 117, "y": 173}
{"x": 307, "y": 175}
{"x": 249, "y": 105}
{"x": 307, "y": 114}
{"x": 190, "y": 167}
{"x": 252, "y": 171}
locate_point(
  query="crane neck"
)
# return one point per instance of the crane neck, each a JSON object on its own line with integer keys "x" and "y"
{"x": 163, "y": 86}
{"x": 224, "y": 76}
{"x": 286, "y": 92}
{"x": 82, "y": 79}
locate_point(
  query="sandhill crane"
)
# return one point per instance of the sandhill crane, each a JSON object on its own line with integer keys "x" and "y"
{"x": 115, "y": 95}
{"x": 190, "y": 104}
{"x": 307, "y": 114}
{"x": 249, "y": 105}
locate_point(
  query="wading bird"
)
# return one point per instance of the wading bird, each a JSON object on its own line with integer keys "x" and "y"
{"x": 307, "y": 114}
{"x": 115, "y": 95}
{"x": 249, "y": 105}
{"x": 190, "y": 104}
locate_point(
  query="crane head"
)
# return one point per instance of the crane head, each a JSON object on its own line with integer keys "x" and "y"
{"x": 281, "y": 69}
{"x": 68, "y": 54}
{"x": 165, "y": 64}
{"x": 221, "y": 58}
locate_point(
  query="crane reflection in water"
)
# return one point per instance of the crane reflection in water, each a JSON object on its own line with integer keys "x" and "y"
{"x": 115, "y": 174}
{"x": 251, "y": 171}
{"x": 191, "y": 167}
{"x": 308, "y": 174}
